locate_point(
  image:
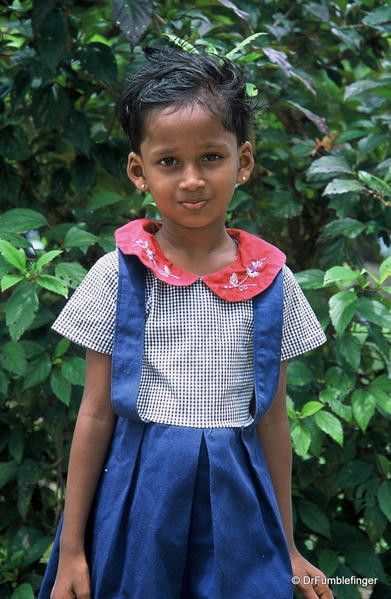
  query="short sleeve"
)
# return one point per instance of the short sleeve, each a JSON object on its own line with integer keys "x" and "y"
{"x": 88, "y": 318}
{"x": 301, "y": 330}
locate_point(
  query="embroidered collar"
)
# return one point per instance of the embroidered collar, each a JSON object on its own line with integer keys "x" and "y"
{"x": 254, "y": 269}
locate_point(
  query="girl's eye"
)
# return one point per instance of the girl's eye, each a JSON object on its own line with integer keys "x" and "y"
{"x": 212, "y": 157}
{"x": 167, "y": 161}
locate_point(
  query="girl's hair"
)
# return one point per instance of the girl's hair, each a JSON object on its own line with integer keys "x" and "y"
{"x": 176, "y": 78}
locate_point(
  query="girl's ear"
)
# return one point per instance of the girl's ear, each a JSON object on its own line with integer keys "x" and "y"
{"x": 135, "y": 171}
{"x": 246, "y": 162}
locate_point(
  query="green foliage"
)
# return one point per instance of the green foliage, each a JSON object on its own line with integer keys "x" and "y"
{"x": 321, "y": 191}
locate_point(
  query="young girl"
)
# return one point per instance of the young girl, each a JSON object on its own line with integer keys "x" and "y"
{"x": 179, "y": 485}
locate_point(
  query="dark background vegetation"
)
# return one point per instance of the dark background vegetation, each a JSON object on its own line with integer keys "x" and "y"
{"x": 320, "y": 192}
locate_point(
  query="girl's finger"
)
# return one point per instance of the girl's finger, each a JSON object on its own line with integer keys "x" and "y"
{"x": 307, "y": 591}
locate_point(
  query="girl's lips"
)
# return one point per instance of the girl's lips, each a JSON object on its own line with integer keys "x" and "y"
{"x": 190, "y": 205}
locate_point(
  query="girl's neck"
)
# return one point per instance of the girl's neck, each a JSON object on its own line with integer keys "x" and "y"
{"x": 200, "y": 250}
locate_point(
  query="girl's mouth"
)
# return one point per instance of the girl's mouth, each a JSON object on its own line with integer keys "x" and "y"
{"x": 193, "y": 205}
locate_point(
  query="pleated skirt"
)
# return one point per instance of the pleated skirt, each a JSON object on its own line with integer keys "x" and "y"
{"x": 183, "y": 513}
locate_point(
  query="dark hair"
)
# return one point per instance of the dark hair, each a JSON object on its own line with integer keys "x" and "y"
{"x": 175, "y": 78}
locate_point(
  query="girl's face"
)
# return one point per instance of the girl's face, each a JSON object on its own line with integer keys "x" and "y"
{"x": 190, "y": 164}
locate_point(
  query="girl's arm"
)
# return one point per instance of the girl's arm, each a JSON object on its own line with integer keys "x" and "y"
{"x": 93, "y": 431}
{"x": 274, "y": 435}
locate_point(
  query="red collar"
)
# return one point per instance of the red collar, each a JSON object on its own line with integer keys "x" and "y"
{"x": 253, "y": 270}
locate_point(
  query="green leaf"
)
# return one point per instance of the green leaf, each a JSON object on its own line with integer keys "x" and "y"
{"x": 46, "y": 258}
{"x": 38, "y": 370}
{"x": 16, "y": 444}
{"x": 20, "y": 309}
{"x": 383, "y": 399}
{"x": 242, "y": 44}
{"x": 51, "y": 39}
{"x": 8, "y": 471}
{"x": 310, "y": 279}
{"x": 357, "y": 550}
{"x": 385, "y": 269}
{"x": 13, "y": 357}
{"x": 350, "y": 349}
{"x": 328, "y": 561}
{"x": 23, "y": 591}
{"x": 10, "y": 183}
{"x": 73, "y": 370}
{"x": 379, "y": 15}
{"x": 61, "y": 347}
{"x": 348, "y": 227}
{"x": 181, "y": 43}
{"x": 83, "y": 173}
{"x": 384, "y": 498}
{"x": 78, "y": 131}
{"x": 28, "y": 477}
{"x": 337, "y": 186}
{"x": 251, "y": 90}
{"x": 375, "y": 522}
{"x": 71, "y": 273}
{"x": 60, "y": 387}
{"x": 286, "y": 204}
{"x": 299, "y": 373}
{"x": 17, "y": 258}
{"x": 21, "y": 220}
{"x": 374, "y": 183}
{"x": 310, "y": 408}
{"x": 32, "y": 348}
{"x": 10, "y": 280}
{"x": 381, "y": 342}
{"x": 329, "y": 396}
{"x": 314, "y": 518}
{"x": 342, "y": 308}
{"x": 50, "y": 107}
{"x": 371, "y": 142}
{"x": 353, "y": 474}
{"x": 382, "y": 382}
{"x": 363, "y": 405}
{"x": 384, "y": 463}
{"x": 53, "y": 284}
{"x": 132, "y": 17}
{"x": 326, "y": 166}
{"x": 4, "y": 382}
{"x": 375, "y": 312}
{"x": 77, "y": 237}
{"x": 35, "y": 551}
{"x": 102, "y": 199}
{"x": 301, "y": 439}
{"x": 14, "y": 143}
{"x": 339, "y": 274}
{"x": 358, "y": 87}
{"x": 59, "y": 182}
{"x": 99, "y": 61}
{"x": 330, "y": 425}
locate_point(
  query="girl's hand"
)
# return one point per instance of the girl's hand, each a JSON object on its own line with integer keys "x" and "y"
{"x": 72, "y": 580}
{"x": 304, "y": 572}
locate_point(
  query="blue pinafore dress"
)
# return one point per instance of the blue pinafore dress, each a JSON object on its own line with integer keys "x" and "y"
{"x": 184, "y": 512}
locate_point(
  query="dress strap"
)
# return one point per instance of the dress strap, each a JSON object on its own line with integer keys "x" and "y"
{"x": 268, "y": 318}
{"x": 128, "y": 337}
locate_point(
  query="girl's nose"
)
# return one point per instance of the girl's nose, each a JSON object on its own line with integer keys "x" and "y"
{"x": 191, "y": 179}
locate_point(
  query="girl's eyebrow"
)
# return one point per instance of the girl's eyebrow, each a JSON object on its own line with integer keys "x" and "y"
{"x": 173, "y": 149}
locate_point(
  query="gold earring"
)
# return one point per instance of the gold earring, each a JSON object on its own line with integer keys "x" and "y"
{"x": 244, "y": 179}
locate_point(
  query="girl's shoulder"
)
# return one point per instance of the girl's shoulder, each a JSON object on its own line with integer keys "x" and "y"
{"x": 107, "y": 263}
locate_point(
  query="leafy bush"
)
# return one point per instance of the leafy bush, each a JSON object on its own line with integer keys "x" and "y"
{"x": 320, "y": 191}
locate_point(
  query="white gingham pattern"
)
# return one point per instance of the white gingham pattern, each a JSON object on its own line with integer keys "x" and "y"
{"x": 198, "y": 349}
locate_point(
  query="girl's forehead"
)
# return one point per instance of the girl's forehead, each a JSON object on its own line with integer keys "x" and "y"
{"x": 179, "y": 120}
